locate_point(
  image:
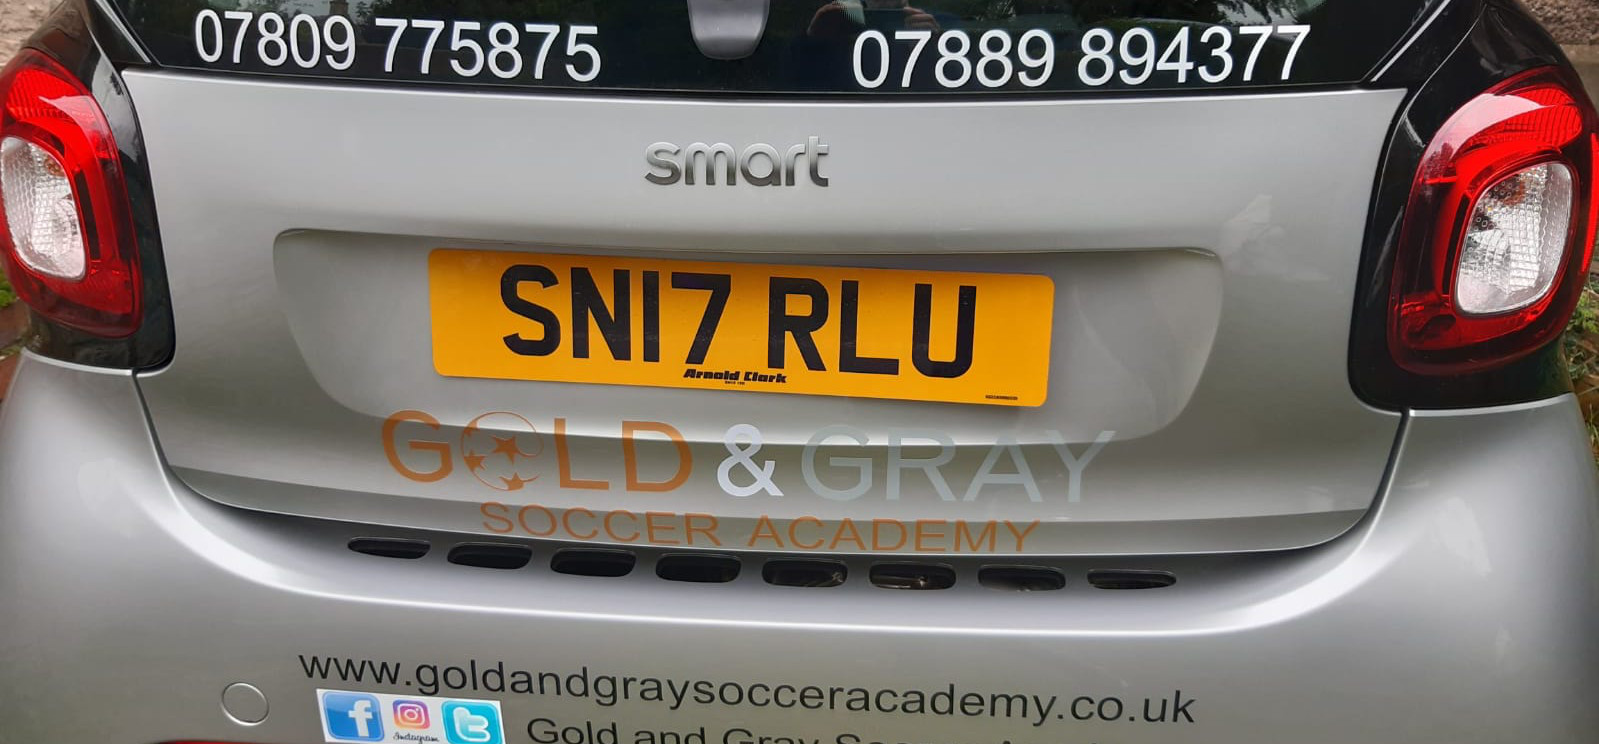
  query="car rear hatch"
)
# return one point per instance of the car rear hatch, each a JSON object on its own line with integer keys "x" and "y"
{"x": 759, "y": 304}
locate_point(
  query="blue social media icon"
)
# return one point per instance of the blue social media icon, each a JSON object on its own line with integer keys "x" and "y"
{"x": 472, "y": 723}
{"x": 352, "y": 716}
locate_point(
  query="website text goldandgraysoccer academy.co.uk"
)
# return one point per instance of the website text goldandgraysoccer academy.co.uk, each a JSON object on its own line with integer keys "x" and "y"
{"x": 608, "y": 689}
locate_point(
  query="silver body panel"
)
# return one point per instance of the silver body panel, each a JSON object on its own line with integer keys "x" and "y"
{"x": 1461, "y": 610}
{"x": 1204, "y": 252}
{"x": 175, "y": 544}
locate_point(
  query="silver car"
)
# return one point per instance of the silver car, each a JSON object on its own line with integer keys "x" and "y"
{"x": 796, "y": 371}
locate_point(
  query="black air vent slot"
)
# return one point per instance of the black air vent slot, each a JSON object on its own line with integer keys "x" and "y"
{"x": 1021, "y": 578}
{"x": 390, "y": 547}
{"x": 811, "y": 573}
{"x": 491, "y": 555}
{"x": 1131, "y": 579}
{"x": 698, "y": 568}
{"x": 590, "y": 562}
{"x": 913, "y": 576}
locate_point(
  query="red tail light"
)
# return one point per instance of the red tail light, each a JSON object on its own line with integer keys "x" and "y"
{"x": 66, "y": 231}
{"x": 1499, "y": 228}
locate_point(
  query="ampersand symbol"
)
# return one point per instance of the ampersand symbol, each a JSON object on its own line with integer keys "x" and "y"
{"x": 742, "y": 442}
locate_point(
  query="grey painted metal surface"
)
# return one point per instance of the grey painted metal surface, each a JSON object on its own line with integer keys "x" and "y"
{"x": 727, "y": 29}
{"x": 1471, "y": 585}
{"x": 1201, "y": 312}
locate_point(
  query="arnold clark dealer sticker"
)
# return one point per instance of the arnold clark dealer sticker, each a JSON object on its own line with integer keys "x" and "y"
{"x": 374, "y": 717}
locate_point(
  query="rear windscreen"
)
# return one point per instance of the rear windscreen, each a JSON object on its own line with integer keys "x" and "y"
{"x": 863, "y": 47}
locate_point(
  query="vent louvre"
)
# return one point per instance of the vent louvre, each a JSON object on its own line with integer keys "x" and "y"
{"x": 607, "y": 564}
{"x": 1124, "y": 580}
{"x": 698, "y": 568}
{"x": 912, "y": 576}
{"x": 1021, "y": 578}
{"x": 491, "y": 555}
{"x": 805, "y": 572}
{"x": 390, "y": 547}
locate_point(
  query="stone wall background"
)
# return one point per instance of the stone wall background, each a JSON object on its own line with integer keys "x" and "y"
{"x": 18, "y": 19}
{"x": 1571, "y": 21}
{"x": 1574, "y": 23}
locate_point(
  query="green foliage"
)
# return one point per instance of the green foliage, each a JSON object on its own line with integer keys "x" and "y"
{"x": 1586, "y": 318}
{"x": 1582, "y": 354}
{"x": 6, "y": 295}
{"x": 1581, "y": 344}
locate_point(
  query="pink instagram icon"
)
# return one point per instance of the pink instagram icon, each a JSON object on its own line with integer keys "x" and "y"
{"x": 411, "y": 714}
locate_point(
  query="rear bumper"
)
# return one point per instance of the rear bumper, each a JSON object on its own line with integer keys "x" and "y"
{"x": 1462, "y": 610}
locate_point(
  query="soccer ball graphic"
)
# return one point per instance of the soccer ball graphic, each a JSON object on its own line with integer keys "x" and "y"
{"x": 499, "y": 449}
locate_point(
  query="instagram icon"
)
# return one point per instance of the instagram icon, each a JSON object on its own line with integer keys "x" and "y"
{"x": 411, "y": 714}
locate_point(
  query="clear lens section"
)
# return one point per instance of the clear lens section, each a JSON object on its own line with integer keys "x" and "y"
{"x": 1516, "y": 241}
{"x": 40, "y": 210}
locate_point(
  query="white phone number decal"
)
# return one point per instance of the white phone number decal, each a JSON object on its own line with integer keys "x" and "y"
{"x": 303, "y": 42}
{"x": 1030, "y": 59}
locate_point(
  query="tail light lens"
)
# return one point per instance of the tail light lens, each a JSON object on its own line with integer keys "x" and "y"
{"x": 66, "y": 231}
{"x": 1499, "y": 228}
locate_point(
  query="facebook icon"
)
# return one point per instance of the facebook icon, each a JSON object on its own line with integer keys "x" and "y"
{"x": 352, "y": 716}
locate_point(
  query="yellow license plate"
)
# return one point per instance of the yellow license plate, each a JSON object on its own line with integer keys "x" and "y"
{"x": 815, "y": 330}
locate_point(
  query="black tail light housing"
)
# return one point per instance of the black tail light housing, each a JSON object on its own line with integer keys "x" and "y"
{"x": 62, "y": 99}
{"x": 1493, "y": 126}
